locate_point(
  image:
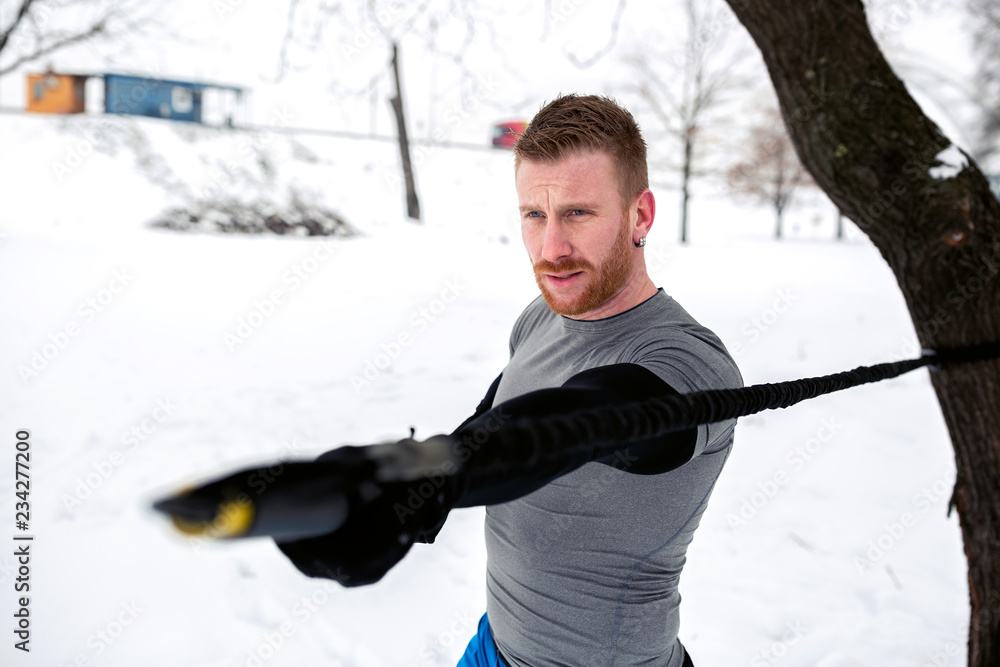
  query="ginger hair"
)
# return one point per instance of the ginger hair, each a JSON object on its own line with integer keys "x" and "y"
{"x": 573, "y": 123}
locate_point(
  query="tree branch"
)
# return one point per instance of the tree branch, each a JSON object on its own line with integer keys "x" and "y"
{"x": 290, "y": 28}
{"x": 95, "y": 29}
{"x": 21, "y": 12}
{"x": 612, "y": 40}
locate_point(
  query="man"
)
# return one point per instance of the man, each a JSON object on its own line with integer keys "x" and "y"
{"x": 584, "y": 553}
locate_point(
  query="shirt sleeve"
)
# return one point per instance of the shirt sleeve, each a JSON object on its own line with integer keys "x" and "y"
{"x": 689, "y": 360}
{"x": 493, "y": 474}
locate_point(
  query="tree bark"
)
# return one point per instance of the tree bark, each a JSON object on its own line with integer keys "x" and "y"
{"x": 870, "y": 147}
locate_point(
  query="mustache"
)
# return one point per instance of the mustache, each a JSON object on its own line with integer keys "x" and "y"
{"x": 567, "y": 266}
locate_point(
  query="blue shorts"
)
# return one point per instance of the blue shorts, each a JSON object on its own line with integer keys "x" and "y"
{"x": 481, "y": 651}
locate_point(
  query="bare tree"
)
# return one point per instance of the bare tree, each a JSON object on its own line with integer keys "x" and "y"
{"x": 412, "y": 201}
{"x": 985, "y": 22}
{"x": 769, "y": 171}
{"x": 39, "y": 28}
{"x": 927, "y": 207}
{"x": 682, "y": 88}
{"x": 361, "y": 36}
{"x": 367, "y": 37}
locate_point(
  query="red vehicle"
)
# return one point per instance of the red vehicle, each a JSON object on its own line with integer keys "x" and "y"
{"x": 505, "y": 134}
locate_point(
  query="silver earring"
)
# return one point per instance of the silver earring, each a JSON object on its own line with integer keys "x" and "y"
{"x": 641, "y": 243}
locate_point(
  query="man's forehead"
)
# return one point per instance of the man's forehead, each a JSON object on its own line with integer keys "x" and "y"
{"x": 573, "y": 159}
{"x": 581, "y": 169}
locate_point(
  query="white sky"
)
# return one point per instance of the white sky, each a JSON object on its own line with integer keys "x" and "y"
{"x": 238, "y": 42}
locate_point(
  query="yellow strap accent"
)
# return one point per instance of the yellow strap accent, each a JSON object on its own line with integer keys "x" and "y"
{"x": 232, "y": 519}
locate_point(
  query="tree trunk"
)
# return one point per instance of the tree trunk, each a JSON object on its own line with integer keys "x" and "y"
{"x": 870, "y": 147}
{"x": 412, "y": 203}
{"x": 685, "y": 184}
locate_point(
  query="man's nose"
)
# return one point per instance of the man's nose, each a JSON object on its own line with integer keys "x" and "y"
{"x": 555, "y": 242}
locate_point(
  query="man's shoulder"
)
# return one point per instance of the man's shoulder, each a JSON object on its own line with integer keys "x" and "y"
{"x": 670, "y": 337}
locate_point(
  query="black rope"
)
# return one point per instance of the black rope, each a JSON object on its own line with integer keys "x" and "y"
{"x": 600, "y": 431}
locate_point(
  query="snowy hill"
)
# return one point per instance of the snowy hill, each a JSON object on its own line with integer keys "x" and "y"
{"x": 141, "y": 359}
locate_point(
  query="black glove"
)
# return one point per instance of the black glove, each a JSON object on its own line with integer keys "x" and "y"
{"x": 384, "y": 518}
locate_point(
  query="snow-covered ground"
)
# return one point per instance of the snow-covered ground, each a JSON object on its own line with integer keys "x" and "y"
{"x": 141, "y": 359}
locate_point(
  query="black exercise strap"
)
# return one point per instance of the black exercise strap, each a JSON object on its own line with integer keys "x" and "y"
{"x": 602, "y": 430}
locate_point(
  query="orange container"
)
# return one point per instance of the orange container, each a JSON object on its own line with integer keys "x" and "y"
{"x": 56, "y": 93}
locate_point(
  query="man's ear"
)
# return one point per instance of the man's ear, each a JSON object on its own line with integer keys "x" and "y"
{"x": 645, "y": 209}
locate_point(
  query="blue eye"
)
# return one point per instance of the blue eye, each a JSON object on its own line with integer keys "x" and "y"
{"x": 578, "y": 211}
{"x": 534, "y": 214}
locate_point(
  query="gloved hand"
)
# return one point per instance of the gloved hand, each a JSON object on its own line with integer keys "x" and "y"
{"x": 386, "y": 514}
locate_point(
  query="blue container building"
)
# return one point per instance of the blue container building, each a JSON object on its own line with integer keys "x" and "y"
{"x": 159, "y": 98}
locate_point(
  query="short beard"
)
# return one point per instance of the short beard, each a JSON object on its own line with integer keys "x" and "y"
{"x": 606, "y": 283}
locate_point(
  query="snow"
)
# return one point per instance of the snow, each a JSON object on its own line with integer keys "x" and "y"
{"x": 951, "y": 163}
{"x": 161, "y": 359}
{"x": 827, "y": 541}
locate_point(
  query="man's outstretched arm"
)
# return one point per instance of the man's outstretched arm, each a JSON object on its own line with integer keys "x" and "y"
{"x": 381, "y": 528}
